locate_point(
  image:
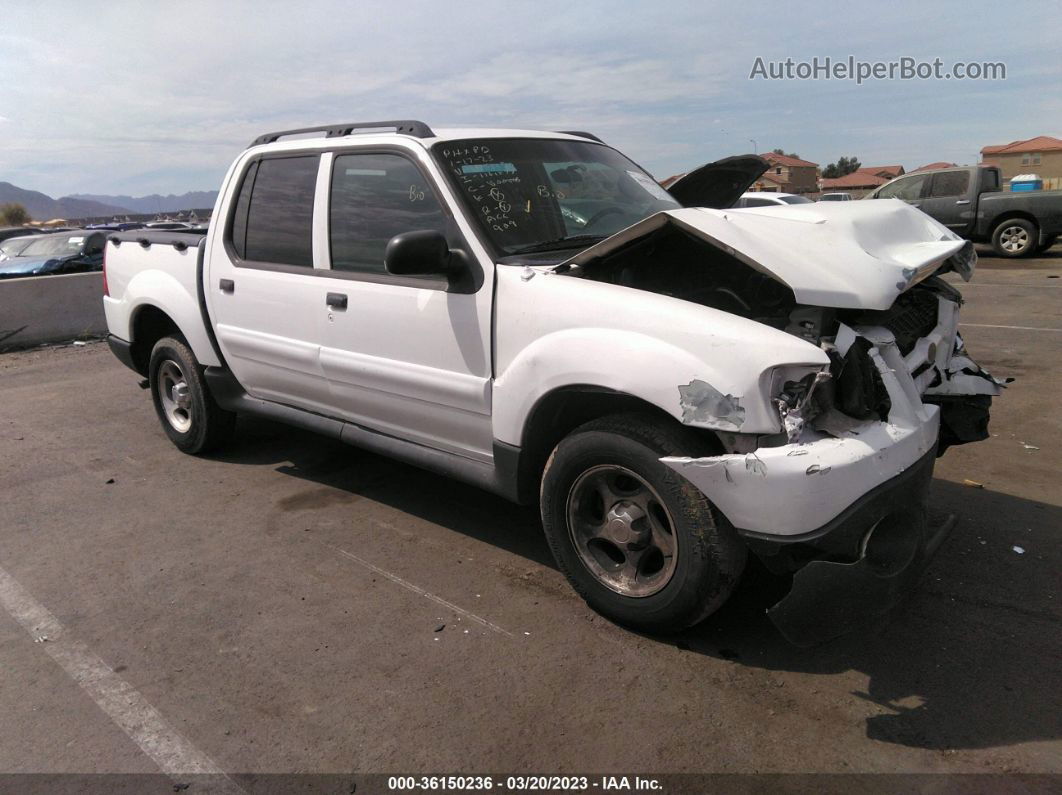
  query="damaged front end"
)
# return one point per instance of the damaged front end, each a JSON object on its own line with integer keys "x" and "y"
{"x": 837, "y": 496}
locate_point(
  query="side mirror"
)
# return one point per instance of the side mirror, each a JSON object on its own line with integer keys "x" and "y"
{"x": 421, "y": 253}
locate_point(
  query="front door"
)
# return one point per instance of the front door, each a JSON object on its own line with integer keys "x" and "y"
{"x": 909, "y": 188}
{"x": 408, "y": 356}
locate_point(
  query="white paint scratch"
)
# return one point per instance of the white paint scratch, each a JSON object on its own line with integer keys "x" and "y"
{"x": 420, "y": 591}
{"x": 1015, "y": 328}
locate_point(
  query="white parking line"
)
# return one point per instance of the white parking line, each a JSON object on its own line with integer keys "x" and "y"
{"x": 418, "y": 590}
{"x": 1015, "y": 328}
{"x": 122, "y": 703}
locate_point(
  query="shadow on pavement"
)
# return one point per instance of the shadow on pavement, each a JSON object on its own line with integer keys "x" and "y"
{"x": 972, "y": 660}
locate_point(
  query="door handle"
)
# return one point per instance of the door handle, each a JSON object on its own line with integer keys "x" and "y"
{"x": 336, "y": 300}
{"x": 963, "y": 201}
{"x": 227, "y": 285}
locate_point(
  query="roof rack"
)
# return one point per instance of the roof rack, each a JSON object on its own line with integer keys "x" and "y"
{"x": 417, "y": 129}
{"x": 581, "y": 134}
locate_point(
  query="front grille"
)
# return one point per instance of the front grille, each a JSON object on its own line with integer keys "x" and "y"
{"x": 913, "y": 316}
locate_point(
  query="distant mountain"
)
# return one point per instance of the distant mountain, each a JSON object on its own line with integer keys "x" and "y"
{"x": 44, "y": 208}
{"x": 193, "y": 200}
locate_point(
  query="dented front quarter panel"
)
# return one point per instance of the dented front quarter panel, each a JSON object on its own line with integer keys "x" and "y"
{"x": 705, "y": 367}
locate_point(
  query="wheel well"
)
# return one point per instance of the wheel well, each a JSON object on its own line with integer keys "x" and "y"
{"x": 150, "y": 324}
{"x": 558, "y": 413}
{"x": 1011, "y": 216}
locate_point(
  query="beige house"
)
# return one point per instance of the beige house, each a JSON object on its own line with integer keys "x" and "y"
{"x": 1041, "y": 156}
{"x": 789, "y": 175}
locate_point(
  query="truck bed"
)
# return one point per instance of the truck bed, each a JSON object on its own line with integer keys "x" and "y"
{"x": 161, "y": 270}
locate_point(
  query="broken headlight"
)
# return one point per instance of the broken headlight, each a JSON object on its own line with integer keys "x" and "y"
{"x": 799, "y": 396}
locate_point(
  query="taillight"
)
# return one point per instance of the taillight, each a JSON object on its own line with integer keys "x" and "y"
{"x": 106, "y": 290}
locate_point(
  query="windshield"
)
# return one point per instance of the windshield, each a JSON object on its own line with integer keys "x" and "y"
{"x": 542, "y": 195}
{"x": 54, "y": 246}
{"x": 12, "y": 247}
{"x": 796, "y": 200}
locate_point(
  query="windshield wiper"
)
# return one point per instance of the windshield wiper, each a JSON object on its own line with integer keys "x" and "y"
{"x": 573, "y": 241}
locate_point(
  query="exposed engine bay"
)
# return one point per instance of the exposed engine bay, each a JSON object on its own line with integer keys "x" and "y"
{"x": 671, "y": 261}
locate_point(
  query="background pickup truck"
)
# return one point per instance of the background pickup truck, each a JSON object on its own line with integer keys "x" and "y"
{"x": 675, "y": 385}
{"x": 968, "y": 200}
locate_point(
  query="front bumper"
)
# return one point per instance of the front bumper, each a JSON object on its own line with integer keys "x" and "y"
{"x": 852, "y": 573}
{"x": 844, "y": 506}
{"x": 797, "y": 488}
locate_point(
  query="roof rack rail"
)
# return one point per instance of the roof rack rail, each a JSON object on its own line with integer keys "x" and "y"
{"x": 417, "y": 129}
{"x": 581, "y": 134}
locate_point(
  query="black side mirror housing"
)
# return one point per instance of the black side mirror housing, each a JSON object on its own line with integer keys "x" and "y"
{"x": 421, "y": 253}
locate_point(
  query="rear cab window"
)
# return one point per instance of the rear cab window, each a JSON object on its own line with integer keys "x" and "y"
{"x": 949, "y": 183}
{"x": 272, "y": 220}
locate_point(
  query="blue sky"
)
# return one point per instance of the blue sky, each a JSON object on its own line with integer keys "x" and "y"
{"x": 132, "y": 98}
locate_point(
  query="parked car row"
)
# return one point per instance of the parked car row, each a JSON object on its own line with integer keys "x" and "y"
{"x": 29, "y": 251}
{"x": 78, "y": 251}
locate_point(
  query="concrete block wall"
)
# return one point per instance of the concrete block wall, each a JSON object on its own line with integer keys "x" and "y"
{"x": 40, "y": 309}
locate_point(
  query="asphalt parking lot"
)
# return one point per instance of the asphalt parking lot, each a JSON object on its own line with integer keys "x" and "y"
{"x": 299, "y": 605}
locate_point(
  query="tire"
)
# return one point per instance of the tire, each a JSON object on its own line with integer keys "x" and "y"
{"x": 610, "y": 468}
{"x": 188, "y": 413}
{"x": 1015, "y": 238}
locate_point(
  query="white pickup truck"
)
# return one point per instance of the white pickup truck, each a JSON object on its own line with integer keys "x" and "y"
{"x": 675, "y": 383}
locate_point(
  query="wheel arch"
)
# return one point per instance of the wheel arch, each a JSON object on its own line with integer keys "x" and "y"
{"x": 561, "y": 410}
{"x": 149, "y": 324}
{"x": 1012, "y": 215}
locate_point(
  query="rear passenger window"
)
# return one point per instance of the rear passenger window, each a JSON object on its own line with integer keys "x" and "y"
{"x": 374, "y": 198}
{"x": 951, "y": 183}
{"x": 274, "y": 212}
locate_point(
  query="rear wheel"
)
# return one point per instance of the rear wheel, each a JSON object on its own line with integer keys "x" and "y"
{"x": 188, "y": 413}
{"x": 1015, "y": 238}
{"x": 634, "y": 538}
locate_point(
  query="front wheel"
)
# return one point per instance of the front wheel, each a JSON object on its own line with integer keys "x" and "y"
{"x": 1015, "y": 238}
{"x": 188, "y": 413}
{"x": 634, "y": 538}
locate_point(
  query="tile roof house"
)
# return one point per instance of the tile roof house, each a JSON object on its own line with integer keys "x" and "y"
{"x": 935, "y": 166}
{"x": 858, "y": 183}
{"x": 789, "y": 174}
{"x": 1041, "y": 155}
{"x": 888, "y": 172}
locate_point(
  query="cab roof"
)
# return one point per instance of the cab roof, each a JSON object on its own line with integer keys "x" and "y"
{"x": 411, "y": 128}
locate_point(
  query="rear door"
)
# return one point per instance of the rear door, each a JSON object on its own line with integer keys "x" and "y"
{"x": 948, "y": 200}
{"x": 265, "y": 301}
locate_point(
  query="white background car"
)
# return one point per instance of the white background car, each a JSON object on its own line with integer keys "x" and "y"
{"x": 769, "y": 199}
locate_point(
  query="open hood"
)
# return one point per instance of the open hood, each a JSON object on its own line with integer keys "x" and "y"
{"x": 718, "y": 184}
{"x": 852, "y": 255}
